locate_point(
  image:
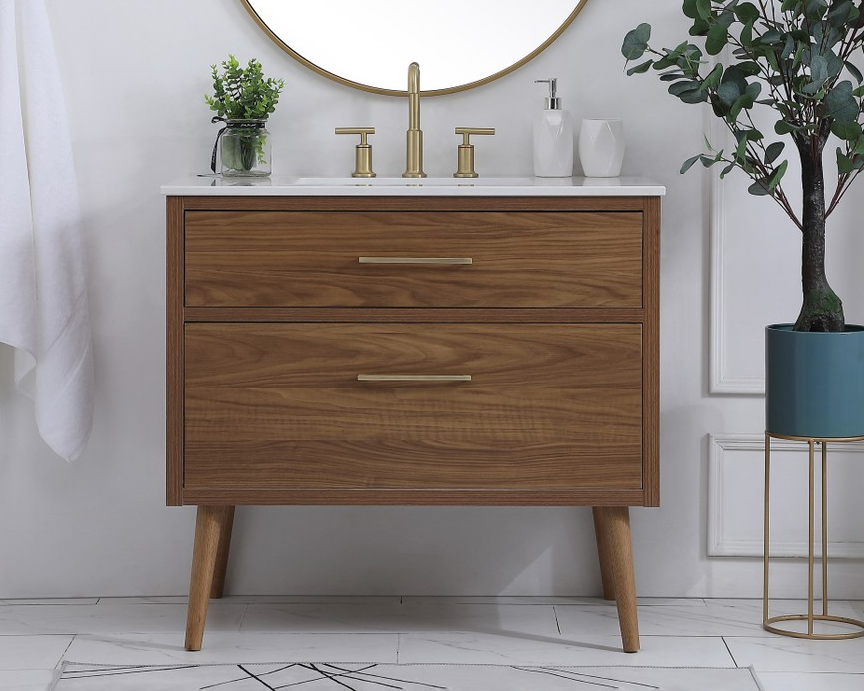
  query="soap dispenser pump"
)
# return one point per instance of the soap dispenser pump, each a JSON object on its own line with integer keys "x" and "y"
{"x": 553, "y": 136}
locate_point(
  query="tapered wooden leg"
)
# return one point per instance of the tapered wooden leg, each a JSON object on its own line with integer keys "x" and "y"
{"x": 224, "y": 547}
{"x": 603, "y": 553}
{"x": 208, "y": 529}
{"x": 617, "y": 522}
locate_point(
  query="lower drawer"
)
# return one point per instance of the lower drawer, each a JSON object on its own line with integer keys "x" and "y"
{"x": 304, "y": 406}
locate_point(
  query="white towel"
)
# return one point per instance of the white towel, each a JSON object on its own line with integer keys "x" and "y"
{"x": 43, "y": 275}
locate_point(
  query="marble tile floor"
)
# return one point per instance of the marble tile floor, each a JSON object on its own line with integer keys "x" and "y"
{"x": 36, "y": 636}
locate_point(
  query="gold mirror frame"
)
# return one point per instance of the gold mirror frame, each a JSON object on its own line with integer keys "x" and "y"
{"x": 392, "y": 92}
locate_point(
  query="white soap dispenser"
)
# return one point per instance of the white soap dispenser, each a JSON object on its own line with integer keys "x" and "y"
{"x": 553, "y": 137}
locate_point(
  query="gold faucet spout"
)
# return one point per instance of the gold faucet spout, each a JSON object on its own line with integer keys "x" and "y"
{"x": 414, "y": 141}
{"x": 414, "y": 96}
{"x": 414, "y": 78}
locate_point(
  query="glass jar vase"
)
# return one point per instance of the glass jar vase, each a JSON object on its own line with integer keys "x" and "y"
{"x": 245, "y": 149}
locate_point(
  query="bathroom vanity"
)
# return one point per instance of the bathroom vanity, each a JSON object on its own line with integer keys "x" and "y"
{"x": 413, "y": 343}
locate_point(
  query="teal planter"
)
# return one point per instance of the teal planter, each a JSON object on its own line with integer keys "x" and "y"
{"x": 814, "y": 382}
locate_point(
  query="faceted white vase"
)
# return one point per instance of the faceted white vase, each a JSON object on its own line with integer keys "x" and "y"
{"x": 601, "y": 148}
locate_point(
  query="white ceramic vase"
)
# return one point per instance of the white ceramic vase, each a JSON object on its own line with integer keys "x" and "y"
{"x": 601, "y": 148}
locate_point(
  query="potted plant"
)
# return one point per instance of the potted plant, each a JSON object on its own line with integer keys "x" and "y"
{"x": 795, "y": 58}
{"x": 243, "y": 99}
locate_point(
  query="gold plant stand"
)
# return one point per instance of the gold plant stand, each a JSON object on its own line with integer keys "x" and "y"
{"x": 770, "y": 623}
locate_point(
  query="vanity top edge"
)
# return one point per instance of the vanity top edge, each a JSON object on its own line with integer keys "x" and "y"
{"x": 296, "y": 186}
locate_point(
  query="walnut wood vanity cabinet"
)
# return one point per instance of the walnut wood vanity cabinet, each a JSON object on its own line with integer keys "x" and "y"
{"x": 412, "y": 350}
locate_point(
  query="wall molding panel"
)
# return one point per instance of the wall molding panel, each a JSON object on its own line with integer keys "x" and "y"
{"x": 721, "y": 380}
{"x": 735, "y": 497}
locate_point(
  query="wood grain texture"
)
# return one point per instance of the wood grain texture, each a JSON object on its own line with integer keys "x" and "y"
{"x": 174, "y": 345}
{"x": 276, "y": 496}
{"x": 651, "y": 353}
{"x": 419, "y": 204}
{"x": 397, "y": 315}
{"x": 210, "y": 523}
{"x": 550, "y": 406}
{"x": 617, "y": 524}
{"x": 647, "y": 493}
{"x": 605, "y": 557}
{"x": 310, "y": 259}
{"x": 220, "y": 570}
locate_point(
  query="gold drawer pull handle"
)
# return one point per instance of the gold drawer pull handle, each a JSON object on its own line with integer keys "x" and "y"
{"x": 415, "y": 260}
{"x": 413, "y": 377}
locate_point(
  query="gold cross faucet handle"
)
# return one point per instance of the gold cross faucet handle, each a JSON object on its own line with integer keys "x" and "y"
{"x": 465, "y": 160}
{"x": 362, "y": 152}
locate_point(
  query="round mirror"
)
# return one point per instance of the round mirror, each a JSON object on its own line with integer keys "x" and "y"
{"x": 459, "y": 44}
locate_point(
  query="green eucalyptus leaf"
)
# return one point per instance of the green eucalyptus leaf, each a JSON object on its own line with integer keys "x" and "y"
{"x": 835, "y": 65}
{"x": 759, "y": 188}
{"x": 749, "y": 68}
{"x": 840, "y": 13}
{"x": 728, "y": 92}
{"x": 671, "y": 76}
{"x": 751, "y": 134}
{"x": 694, "y": 96}
{"x": 788, "y": 47}
{"x": 688, "y": 164}
{"x": 773, "y": 151}
{"x": 700, "y": 27}
{"x": 849, "y": 131}
{"x": 776, "y": 176}
{"x": 718, "y": 37}
{"x": 689, "y": 9}
{"x": 854, "y": 71}
{"x": 844, "y": 163}
{"x": 727, "y": 16}
{"x": 746, "y": 12}
{"x": 678, "y": 88}
{"x": 713, "y": 78}
{"x": 746, "y": 35}
{"x": 640, "y": 68}
{"x": 745, "y": 102}
{"x": 671, "y": 58}
{"x": 840, "y": 104}
{"x": 772, "y": 37}
{"x": 636, "y": 42}
{"x": 741, "y": 150}
{"x": 798, "y": 57}
{"x": 818, "y": 74}
{"x": 814, "y": 9}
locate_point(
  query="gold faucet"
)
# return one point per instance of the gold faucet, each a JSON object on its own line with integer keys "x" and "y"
{"x": 414, "y": 151}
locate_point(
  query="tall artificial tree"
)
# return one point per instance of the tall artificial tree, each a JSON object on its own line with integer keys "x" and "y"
{"x": 796, "y": 58}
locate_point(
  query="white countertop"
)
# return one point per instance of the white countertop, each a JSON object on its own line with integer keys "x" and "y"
{"x": 297, "y": 186}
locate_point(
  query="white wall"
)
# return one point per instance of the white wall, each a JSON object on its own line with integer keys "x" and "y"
{"x": 135, "y": 74}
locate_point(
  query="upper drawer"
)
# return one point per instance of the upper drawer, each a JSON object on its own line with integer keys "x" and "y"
{"x": 313, "y": 259}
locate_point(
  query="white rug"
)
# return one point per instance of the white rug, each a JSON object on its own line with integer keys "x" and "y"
{"x": 375, "y": 677}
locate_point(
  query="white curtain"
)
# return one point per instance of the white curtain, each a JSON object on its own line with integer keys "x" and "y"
{"x": 43, "y": 273}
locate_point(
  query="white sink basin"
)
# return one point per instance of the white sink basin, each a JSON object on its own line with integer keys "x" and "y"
{"x": 418, "y": 182}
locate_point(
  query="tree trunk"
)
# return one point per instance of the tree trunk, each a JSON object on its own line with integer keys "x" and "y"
{"x": 822, "y": 309}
